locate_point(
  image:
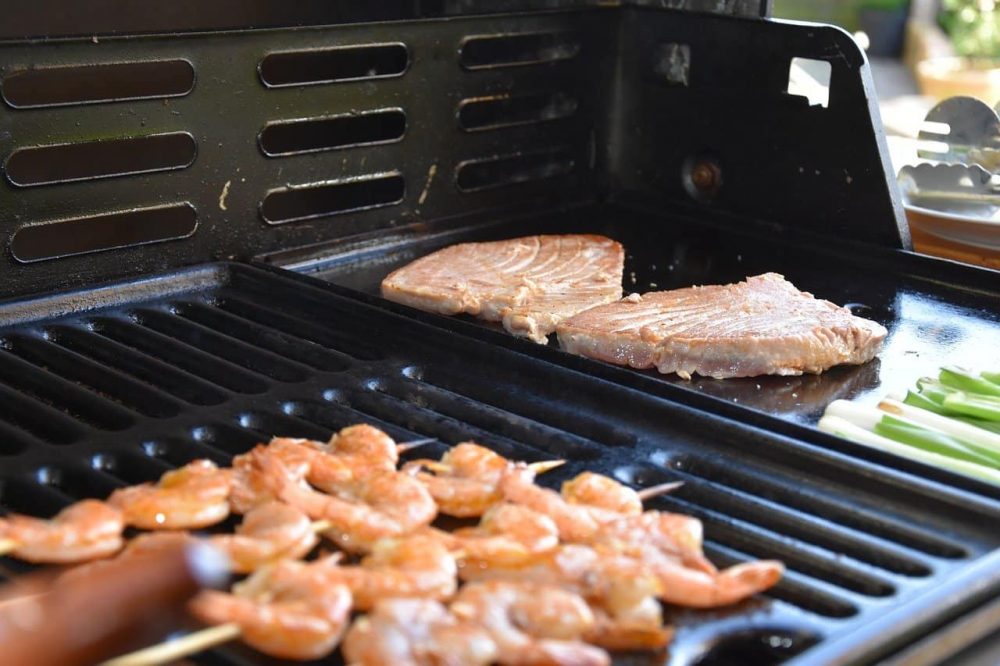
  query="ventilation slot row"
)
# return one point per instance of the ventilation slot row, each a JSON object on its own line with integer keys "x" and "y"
{"x": 428, "y": 423}
{"x": 489, "y": 51}
{"x": 69, "y": 162}
{"x": 269, "y": 425}
{"x": 227, "y": 438}
{"x": 833, "y": 510}
{"x": 222, "y": 346}
{"x": 179, "y": 452}
{"x": 509, "y": 110}
{"x": 107, "y": 231}
{"x": 163, "y": 375}
{"x": 333, "y": 416}
{"x": 304, "y": 202}
{"x": 347, "y": 63}
{"x": 63, "y": 395}
{"x": 94, "y": 376}
{"x": 491, "y": 172}
{"x": 90, "y": 84}
{"x": 299, "y": 327}
{"x": 370, "y": 128}
{"x": 290, "y": 347}
{"x": 195, "y": 363}
{"x": 504, "y": 422}
{"x": 772, "y": 516}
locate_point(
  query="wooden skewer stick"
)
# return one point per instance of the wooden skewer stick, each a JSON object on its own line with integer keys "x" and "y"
{"x": 536, "y": 467}
{"x": 656, "y": 491}
{"x": 403, "y": 447}
{"x": 193, "y": 643}
{"x": 178, "y": 648}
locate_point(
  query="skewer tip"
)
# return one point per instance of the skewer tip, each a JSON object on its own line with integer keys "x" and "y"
{"x": 403, "y": 447}
{"x": 656, "y": 491}
{"x": 544, "y": 466}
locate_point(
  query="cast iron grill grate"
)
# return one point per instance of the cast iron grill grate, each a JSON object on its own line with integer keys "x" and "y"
{"x": 107, "y": 391}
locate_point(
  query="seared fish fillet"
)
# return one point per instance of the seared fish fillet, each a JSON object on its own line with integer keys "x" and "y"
{"x": 528, "y": 284}
{"x": 763, "y": 326}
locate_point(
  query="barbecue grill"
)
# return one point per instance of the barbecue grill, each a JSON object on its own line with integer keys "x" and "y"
{"x": 199, "y": 206}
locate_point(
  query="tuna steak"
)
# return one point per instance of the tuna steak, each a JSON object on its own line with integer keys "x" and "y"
{"x": 763, "y": 326}
{"x": 528, "y": 284}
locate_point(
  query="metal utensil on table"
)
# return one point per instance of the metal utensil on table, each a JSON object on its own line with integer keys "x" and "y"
{"x": 961, "y": 136}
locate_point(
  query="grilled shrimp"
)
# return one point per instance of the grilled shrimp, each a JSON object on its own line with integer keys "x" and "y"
{"x": 139, "y": 546}
{"x": 417, "y": 566}
{"x": 700, "y": 589}
{"x": 285, "y": 610}
{"x": 373, "y": 506}
{"x": 531, "y": 623}
{"x": 364, "y": 443}
{"x": 672, "y": 534}
{"x": 416, "y": 632}
{"x": 268, "y": 532}
{"x": 604, "y": 496}
{"x": 465, "y": 482}
{"x": 87, "y": 530}
{"x": 577, "y": 523}
{"x": 193, "y": 496}
{"x": 507, "y": 534}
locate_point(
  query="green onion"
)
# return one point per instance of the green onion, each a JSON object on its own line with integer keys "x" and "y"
{"x": 979, "y": 406}
{"x": 923, "y": 402}
{"x": 844, "y": 428}
{"x": 935, "y": 442}
{"x": 966, "y": 381}
{"x": 934, "y": 390}
{"x": 990, "y": 426}
{"x": 963, "y": 431}
{"x": 991, "y": 377}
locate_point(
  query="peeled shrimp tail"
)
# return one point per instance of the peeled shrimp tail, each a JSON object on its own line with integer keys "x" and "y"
{"x": 696, "y": 589}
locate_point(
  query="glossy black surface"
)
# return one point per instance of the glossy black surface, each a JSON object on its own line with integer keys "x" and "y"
{"x": 116, "y": 385}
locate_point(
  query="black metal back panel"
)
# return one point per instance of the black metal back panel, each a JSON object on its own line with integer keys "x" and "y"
{"x": 779, "y": 159}
{"x": 211, "y": 89}
{"x": 114, "y": 386}
{"x": 125, "y": 154}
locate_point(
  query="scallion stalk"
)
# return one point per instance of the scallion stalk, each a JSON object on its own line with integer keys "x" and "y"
{"x": 966, "y": 381}
{"x": 979, "y": 406}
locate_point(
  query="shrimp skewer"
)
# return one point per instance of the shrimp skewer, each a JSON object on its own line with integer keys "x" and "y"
{"x": 269, "y": 532}
{"x": 532, "y": 623}
{"x": 285, "y": 610}
{"x": 194, "y": 496}
{"x": 466, "y": 481}
{"x": 377, "y": 505}
{"x": 415, "y": 567}
{"x": 416, "y": 632}
{"x": 83, "y": 531}
{"x": 507, "y": 534}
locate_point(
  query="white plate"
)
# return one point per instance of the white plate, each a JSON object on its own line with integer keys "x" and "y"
{"x": 956, "y": 227}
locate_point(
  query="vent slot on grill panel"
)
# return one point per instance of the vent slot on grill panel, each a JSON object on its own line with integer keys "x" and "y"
{"x": 509, "y": 110}
{"x": 106, "y": 231}
{"x": 490, "y": 172}
{"x": 369, "y": 128}
{"x": 68, "y": 162}
{"x": 304, "y": 202}
{"x": 346, "y": 63}
{"x": 487, "y": 51}
{"x": 89, "y": 84}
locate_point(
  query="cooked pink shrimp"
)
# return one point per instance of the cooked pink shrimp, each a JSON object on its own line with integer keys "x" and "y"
{"x": 416, "y": 632}
{"x": 688, "y": 587}
{"x": 507, "y": 534}
{"x": 373, "y": 506}
{"x": 302, "y": 460}
{"x": 83, "y": 531}
{"x": 672, "y": 534}
{"x": 531, "y": 623}
{"x": 602, "y": 494}
{"x": 417, "y": 566}
{"x": 193, "y": 496}
{"x": 466, "y": 480}
{"x": 139, "y": 546}
{"x": 577, "y": 523}
{"x": 285, "y": 610}
{"x": 364, "y": 442}
{"x": 268, "y": 532}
